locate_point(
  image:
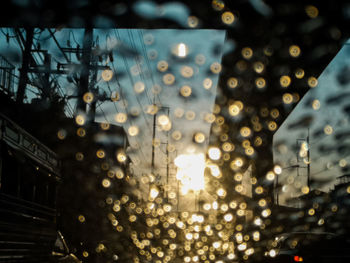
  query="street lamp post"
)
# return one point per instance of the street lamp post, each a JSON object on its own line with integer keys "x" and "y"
{"x": 276, "y": 189}
{"x": 307, "y": 140}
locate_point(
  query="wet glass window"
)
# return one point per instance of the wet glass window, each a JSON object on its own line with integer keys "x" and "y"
{"x": 172, "y": 131}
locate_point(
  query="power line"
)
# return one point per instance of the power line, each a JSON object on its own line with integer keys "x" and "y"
{"x": 132, "y": 82}
{"x": 136, "y": 58}
{"x": 73, "y": 36}
{"x": 114, "y": 104}
{"x": 139, "y": 63}
{"x": 103, "y": 113}
{"x": 58, "y": 45}
{"x": 141, "y": 36}
{"x": 7, "y": 35}
{"x": 63, "y": 94}
{"x": 126, "y": 64}
{"x": 116, "y": 33}
{"x": 123, "y": 100}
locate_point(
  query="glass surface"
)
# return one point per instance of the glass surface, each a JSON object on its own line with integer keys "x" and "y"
{"x": 175, "y": 131}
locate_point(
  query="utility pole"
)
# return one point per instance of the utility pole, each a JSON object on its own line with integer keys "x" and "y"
{"x": 47, "y": 64}
{"x": 276, "y": 187}
{"x": 276, "y": 190}
{"x": 167, "y": 159}
{"x": 44, "y": 71}
{"x": 93, "y": 89}
{"x": 29, "y": 65}
{"x": 88, "y": 62}
{"x": 158, "y": 177}
{"x": 154, "y": 134}
{"x": 85, "y": 68}
{"x": 308, "y": 166}
{"x": 167, "y": 162}
{"x": 26, "y": 56}
{"x": 308, "y": 158}
{"x": 153, "y": 138}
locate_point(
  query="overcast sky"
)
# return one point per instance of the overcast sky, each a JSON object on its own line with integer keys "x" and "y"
{"x": 322, "y": 110}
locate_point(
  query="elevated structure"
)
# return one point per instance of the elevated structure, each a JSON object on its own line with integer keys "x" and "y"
{"x": 29, "y": 176}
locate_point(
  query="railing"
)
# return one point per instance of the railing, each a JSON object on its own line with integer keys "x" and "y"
{"x": 7, "y": 76}
{"x": 19, "y": 139}
{"x": 9, "y": 81}
{"x": 345, "y": 179}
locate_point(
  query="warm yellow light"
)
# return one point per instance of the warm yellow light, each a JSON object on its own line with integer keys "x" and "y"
{"x": 200, "y": 219}
{"x": 258, "y": 221}
{"x": 328, "y": 129}
{"x": 153, "y": 193}
{"x": 214, "y": 170}
{"x": 228, "y": 217}
{"x": 180, "y": 224}
{"x": 242, "y": 246}
{"x": 133, "y": 130}
{"x": 189, "y": 236}
{"x": 214, "y": 153}
{"x": 79, "y": 119}
{"x": 239, "y": 237}
{"x": 231, "y": 256}
{"x": 190, "y": 171}
{"x": 121, "y": 156}
{"x": 163, "y": 120}
{"x": 181, "y": 50}
{"x": 270, "y": 176}
{"x": 272, "y": 253}
{"x": 221, "y": 192}
{"x": 207, "y": 206}
{"x": 207, "y": 228}
{"x": 217, "y": 244}
{"x": 266, "y": 212}
{"x": 277, "y": 169}
{"x": 107, "y": 74}
{"x": 256, "y": 236}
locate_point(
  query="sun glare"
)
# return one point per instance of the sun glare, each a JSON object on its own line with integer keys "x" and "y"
{"x": 190, "y": 171}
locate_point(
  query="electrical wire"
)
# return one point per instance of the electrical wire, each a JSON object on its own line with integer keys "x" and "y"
{"x": 47, "y": 37}
{"x": 73, "y": 36}
{"x": 103, "y": 113}
{"x": 7, "y": 35}
{"x": 126, "y": 65}
{"x": 123, "y": 98}
{"x": 132, "y": 43}
{"x": 64, "y": 95}
{"x": 138, "y": 63}
{"x": 114, "y": 103}
{"x": 144, "y": 49}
